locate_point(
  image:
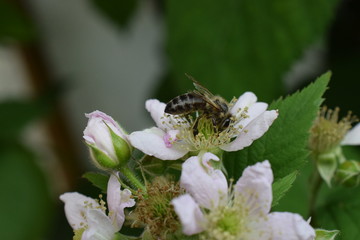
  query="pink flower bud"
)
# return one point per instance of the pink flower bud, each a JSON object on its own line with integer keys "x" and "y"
{"x": 108, "y": 142}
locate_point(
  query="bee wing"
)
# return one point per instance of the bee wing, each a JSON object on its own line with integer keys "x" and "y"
{"x": 204, "y": 93}
{"x": 200, "y": 88}
{"x": 208, "y": 100}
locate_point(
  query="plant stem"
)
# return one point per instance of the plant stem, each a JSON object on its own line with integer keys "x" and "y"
{"x": 316, "y": 182}
{"x": 126, "y": 171}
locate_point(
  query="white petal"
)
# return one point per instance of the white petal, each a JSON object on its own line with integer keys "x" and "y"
{"x": 252, "y": 131}
{"x": 97, "y": 133}
{"x": 353, "y": 136}
{"x": 254, "y": 189}
{"x": 156, "y": 110}
{"x": 290, "y": 226}
{"x": 99, "y": 226}
{"x": 253, "y": 112}
{"x": 190, "y": 215}
{"x": 76, "y": 207}
{"x": 117, "y": 200}
{"x": 245, "y": 100}
{"x": 206, "y": 158}
{"x": 205, "y": 184}
{"x": 151, "y": 142}
{"x": 257, "y": 228}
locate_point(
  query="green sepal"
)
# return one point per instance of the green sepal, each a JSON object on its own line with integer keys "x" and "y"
{"x": 122, "y": 148}
{"x": 348, "y": 174}
{"x": 326, "y": 164}
{"x": 147, "y": 235}
{"x": 322, "y": 234}
{"x": 102, "y": 160}
{"x": 78, "y": 233}
{"x": 98, "y": 180}
{"x": 119, "y": 236}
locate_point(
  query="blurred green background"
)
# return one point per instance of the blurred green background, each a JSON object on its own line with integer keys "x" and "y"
{"x": 60, "y": 59}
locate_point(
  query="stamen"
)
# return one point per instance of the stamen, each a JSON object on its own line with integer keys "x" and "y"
{"x": 328, "y": 131}
{"x": 198, "y": 132}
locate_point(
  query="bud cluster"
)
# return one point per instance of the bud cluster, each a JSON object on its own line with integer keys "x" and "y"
{"x": 328, "y": 134}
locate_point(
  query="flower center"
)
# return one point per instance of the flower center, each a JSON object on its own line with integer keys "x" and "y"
{"x": 224, "y": 222}
{"x": 200, "y": 133}
{"x": 328, "y": 131}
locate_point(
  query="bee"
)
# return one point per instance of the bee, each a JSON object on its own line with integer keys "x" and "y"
{"x": 201, "y": 100}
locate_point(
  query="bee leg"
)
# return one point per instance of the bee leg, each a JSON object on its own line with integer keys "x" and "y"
{"x": 195, "y": 127}
{"x": 215, "y": 124}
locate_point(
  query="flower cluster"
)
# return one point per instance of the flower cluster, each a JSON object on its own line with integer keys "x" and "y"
{"x": 203, "y": 203}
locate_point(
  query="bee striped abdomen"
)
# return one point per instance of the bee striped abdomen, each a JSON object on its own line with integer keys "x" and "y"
{"x": 184, "y": 104}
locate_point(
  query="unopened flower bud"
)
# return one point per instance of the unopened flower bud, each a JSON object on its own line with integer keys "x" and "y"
{"x": 348, "y": 174}
{"x": 109, "y": 147}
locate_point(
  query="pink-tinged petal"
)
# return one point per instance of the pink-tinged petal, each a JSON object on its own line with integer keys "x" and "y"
{"x": 245, "y": 100}
{"x": 151, "y": 142}
{"x": 117, "y": 200}
{"x": 99, "y": 226}
{"x": 170, "y": 138}
{"x": 190, "y": 215}
{"x": 76, "y": 206}
{"x": 98, "y": 135}
{"x": 352, "y": 137}
{"x": 253, "y": 112}
{"x": 254, "y": 189}
{"x": 110, "y": 122}
{"x": 254, "y": 130}
{"x": 205, "y": 184}
{"x": 289, "y": 226}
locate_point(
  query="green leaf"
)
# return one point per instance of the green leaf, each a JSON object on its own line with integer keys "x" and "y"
{"x": 13, "y": 24}
{"x": 18, "y": 114}
{"x": 341, "y": 210}
{"x": 285, "y": 144}
{"x": 322, "y": 234}
{"x": 98, "y": 180}
{"x": 117, "y": 11}
{"x": 237, "y": 46}
{"x": 25, "y": 203}
{"x": 281, "y": 186}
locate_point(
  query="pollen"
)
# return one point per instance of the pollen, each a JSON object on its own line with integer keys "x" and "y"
{"x": 328, "y": 130}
